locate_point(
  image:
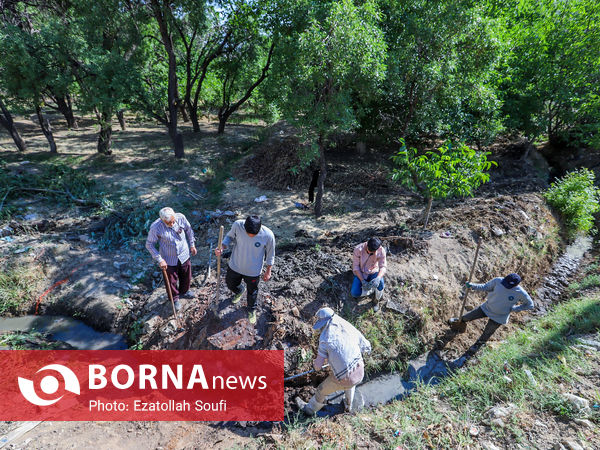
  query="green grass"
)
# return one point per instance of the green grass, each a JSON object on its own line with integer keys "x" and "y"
{"x": 588, "y": 282}
{"x": 393, "y": 340}
{"x": 18, "y": 285}
{"x": 441, "y": 416}
{"x": 24, "y": 340}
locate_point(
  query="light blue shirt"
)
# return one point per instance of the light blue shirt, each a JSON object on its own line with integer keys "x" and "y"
{"x": 249, "y": 253}
{"x": 501, "y": 302}
{"x": 172, "y": 243}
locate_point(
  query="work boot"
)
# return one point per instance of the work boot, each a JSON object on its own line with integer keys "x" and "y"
{"x": 378, "y": 294}
{"x": 189, "y": 294}
{"x": 237, "y": 297}
{"x": 375, "y": 306}
{"x": 310, "y": 408}
{"x": 177, "y": 305}
{"x": 252, "y": 316}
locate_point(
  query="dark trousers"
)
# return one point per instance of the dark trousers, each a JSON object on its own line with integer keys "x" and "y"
{"x": 180, "y": 277}
{"x": 234, "y": 283}
{"x": 489, "y": 329}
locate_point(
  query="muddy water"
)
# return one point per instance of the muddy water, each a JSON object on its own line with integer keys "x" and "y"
{"x": 431, "y": 368}
{"x": 65, "y": 329}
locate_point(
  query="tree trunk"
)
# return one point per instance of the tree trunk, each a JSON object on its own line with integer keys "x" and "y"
{"x": 427, "y": 211}
{"x": 46, "y": 129}
{"x": 105, "y": 136}
{"x": 66, "y": 109}
{"x": 7, "y": 122}
{"x": 184, "y": 113}
{"x": 160, "y": 14}
{"x": 321, "y": 181}
{"x": 194, "y": 118}
{"x": 121, "y": 117}
{"x": 222, "y": 121}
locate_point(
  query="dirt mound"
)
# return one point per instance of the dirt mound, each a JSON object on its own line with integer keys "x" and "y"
{"x": 275, "y": 164}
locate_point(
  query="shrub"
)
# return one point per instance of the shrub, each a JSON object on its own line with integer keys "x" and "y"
{"x": 576, "y": 198}
{"x": 452, "y": 170}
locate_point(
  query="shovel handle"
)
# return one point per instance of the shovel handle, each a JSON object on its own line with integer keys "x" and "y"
{"x": 170, "y": 294}
{"x": 220, "y": 247}
{"x": 462, "y": 308}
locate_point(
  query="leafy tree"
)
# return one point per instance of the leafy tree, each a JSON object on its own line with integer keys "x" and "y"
{"x": 163, "y": 13}
{"x": 577, "y": 199}
{"x": 203, "y": 29}
{"x": 551, "y": 82}
{"x": 452, "y": 170}
{"x": 441, "y": 73}
{"x": 106, "y": 58}
{"x": 242, "y": 70}
{"x": 28, "y": 69}
{"x": 332, "y": 52}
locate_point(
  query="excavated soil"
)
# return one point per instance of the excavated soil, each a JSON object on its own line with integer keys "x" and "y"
{"x": 426, "y": 270}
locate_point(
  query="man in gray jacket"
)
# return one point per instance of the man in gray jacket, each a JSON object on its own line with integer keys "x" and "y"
{"x": 253, "y": 244}
{"x": 342, "y": 345}
{"x": 505, "y": 296}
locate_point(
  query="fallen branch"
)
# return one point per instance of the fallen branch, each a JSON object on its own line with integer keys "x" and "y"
{"x": 4, "y": 198}
{"x": 68, "y": 194}
{"x": 191, "y": 193}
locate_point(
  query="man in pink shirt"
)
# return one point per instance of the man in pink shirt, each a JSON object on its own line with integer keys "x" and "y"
{"x": 369, "y": 267}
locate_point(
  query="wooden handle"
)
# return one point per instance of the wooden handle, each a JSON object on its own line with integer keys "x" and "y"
{"x": 220, "y": 247}
{"x": 166, "y": 277}
{"x": 462, "y": 308}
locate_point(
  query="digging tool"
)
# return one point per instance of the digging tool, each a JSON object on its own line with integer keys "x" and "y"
{"x": 170, "y": 294}
{"x": 304, "y": 373}
{"x": 220, "y": 247}
{"x": 460, "y": 325}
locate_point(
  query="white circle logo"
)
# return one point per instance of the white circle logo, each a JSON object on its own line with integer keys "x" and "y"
{"x": 49, "y": 385}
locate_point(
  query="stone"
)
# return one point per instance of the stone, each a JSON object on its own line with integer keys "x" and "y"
{"x": 577, "y": 402}
{"x": 30, "y": 217}
{"x": 524, "y": 214}
{"x": 295, "y": 311}
{"x": 85, "y": 239}
{"x": 473, "y": 431}
{"x": 498, "y": 412}
{"x": 583, "y": 422}
{"x": 497, "y": 423}
{"x": 487, "y": 445}
{"x": 6, "y": 231}
{"x": 151, "y": 324}
{"x": 497, "y": 231}
{"x": 570, "y": 444}
{"x": 507, "y": 379}
{"x": 394, "y": 306}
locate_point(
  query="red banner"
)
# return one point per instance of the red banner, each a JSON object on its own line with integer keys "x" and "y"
{"x": 242, "y": 385}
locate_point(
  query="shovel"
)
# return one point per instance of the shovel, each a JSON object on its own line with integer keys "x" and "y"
{"x": 460, "y": 325}
{"x": 220, "y": 247}
{"x": 304, "y": 373}
{"x": 166, "y": 278}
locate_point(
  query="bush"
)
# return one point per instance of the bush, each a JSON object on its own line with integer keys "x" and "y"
{"x": 576, "y": 199}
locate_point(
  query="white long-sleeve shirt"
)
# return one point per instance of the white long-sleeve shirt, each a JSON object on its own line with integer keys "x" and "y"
{"x": 342, "y": 344}
{"x": 501, "y": 301}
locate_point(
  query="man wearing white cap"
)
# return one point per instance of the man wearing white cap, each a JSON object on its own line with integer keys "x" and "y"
{"x": 342, "y": 345}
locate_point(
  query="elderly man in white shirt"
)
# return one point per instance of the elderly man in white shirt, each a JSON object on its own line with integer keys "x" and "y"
{"x": 175, "y": 239}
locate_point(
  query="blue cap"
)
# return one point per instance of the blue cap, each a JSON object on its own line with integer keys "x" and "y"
{"x": 323, "y": 315}
{"x": 511, "y": 280}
